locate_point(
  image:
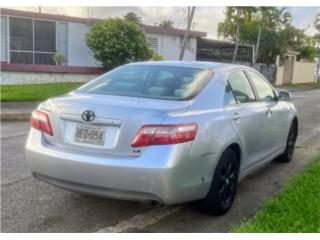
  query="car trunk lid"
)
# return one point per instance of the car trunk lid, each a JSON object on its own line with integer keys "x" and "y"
{"x": 117, "y": 120}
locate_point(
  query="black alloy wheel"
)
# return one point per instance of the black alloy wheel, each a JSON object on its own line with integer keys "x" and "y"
{"x": 291, "y": 140}
{"x": 224, "y": 185}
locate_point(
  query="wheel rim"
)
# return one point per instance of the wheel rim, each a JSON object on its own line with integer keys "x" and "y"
{"x": 227, "y": 182}
{"x": 291, "y": 141}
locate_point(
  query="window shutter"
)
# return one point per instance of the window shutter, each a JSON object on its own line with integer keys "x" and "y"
{"x": 153, "y": 43}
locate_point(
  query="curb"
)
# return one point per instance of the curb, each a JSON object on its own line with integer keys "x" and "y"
{"x": 296, "y": 89}
{"x": 15, "y": 116}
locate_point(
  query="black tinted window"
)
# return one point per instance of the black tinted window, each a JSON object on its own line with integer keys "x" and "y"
{"x": 44, "y": 36}
{"x": 21, "y": 35}
{"x": 265, "y": 92}
{"x": 241, "y": 87}
{"x": 150, "y": 81}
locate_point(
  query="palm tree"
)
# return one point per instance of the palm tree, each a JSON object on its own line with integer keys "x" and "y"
{"x": 166, "y": 24}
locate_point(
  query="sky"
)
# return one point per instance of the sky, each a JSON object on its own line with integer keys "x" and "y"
{"x": 206, "y": 18}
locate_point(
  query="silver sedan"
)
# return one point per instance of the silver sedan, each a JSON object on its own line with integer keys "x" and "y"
{"x": 168, "y": 132}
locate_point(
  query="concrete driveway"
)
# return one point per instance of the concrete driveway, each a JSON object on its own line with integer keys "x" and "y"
{"x": 28, "y": 205}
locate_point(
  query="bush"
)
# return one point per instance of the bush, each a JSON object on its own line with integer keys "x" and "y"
{"x": 59, "y": 58}
{"x": 116, "y": 41}
{"x": 157, "y": 57}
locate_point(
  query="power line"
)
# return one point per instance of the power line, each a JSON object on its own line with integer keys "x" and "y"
{"x": 169, "y": 16}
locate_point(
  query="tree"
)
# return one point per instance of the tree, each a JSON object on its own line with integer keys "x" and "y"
{"x": 236, "y": 17}
{"x": 317, "y": 36}
{"x": 132, "y": 17}
{"x": 268, "y": 28}
{"x": 116, "y": 41}
{"x": 186, "y": 34}
{"x": 166, "y": 23}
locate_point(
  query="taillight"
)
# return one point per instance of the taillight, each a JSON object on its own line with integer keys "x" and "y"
{"x": 164, "y": 134}
{"x": 40, "y": 120}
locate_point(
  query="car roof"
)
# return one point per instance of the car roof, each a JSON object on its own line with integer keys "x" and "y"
{"x": 191, "y": 64}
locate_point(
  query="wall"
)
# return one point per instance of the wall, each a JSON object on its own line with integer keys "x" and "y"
{"x": 279, "y": 76}
{"x": 268, "y": 71}
{"x": 303, "y": 72}
{"x": 11, "y": 78}
{"x": 168, "y": 47}
{"x": 78, "y": 52}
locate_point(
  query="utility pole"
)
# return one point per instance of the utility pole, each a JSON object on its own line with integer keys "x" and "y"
{"x": 186, "y": 33}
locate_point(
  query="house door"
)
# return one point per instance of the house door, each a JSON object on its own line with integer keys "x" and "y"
{"x": 288, "y": 69}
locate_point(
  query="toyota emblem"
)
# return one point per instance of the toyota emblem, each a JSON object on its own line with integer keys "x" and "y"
{"x": 88, "y": 116}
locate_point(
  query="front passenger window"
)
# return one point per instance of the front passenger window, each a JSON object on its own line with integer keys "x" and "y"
{"x": 265, "y": 92}
{"x": 241, "y": 87}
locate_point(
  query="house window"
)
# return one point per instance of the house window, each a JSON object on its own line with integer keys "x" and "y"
{"x": 21, "y": 40}
{"x": 152, "y": 43}
{"x": 188, "y": 42}
{"x": 4, "y": 39}
{"x": 62, "y": 38}
{"x": 44, "y": 42}
{"x": 36, "y": 41}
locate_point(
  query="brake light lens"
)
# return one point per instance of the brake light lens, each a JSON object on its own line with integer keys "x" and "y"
{"x": 164, "y": 134}
{"x": 40, "y": 120}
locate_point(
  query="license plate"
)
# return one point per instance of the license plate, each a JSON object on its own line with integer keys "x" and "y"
{"x": 90, "y": 134}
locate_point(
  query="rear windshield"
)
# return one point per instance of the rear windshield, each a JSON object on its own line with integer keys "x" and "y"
{"x": 163, "y": 82}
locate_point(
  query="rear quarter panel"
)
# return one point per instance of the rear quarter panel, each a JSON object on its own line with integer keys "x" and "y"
{"x": 214, "y": 134}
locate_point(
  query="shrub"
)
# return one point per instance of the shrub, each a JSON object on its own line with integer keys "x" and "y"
{"x": 59, "y": 58}
{"x": 157, "y": 57}
{"x": 116, "y": 41}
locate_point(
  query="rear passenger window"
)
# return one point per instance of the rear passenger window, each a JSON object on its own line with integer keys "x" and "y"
{"x": 241, "y": 87}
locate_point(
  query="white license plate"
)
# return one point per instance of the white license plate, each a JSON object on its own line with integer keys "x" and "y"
{"x": 90, "y": 134}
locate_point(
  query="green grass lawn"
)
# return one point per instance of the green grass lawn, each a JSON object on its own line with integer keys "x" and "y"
{"x": 35, "y": 92}
{"x": 295, "y": 209}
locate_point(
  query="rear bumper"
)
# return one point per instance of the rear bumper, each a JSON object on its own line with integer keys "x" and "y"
{"x": 166, "y": 174}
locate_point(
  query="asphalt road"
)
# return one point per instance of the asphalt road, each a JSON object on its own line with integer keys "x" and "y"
{"x": 28, "y": 205}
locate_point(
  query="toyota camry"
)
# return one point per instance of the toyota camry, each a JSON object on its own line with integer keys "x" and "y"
{"x": 168, "y": 132}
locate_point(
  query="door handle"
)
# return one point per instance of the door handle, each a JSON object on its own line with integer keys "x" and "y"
{"x": 236, "y": 116}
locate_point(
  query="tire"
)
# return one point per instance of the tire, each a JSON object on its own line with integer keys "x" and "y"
{"x": 291, "y": 140}
{"x": 224, "y": 185}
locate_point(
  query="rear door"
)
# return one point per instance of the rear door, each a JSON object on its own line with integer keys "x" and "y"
{"x": 246, "y": 115}
{"x": 276, "y": 114}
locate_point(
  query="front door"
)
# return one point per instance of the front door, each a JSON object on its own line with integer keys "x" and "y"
{"x": 276, "y": 114}
{"x": 246, "y": 116}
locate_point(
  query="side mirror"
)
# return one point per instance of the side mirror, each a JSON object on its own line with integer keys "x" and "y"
{"x": 284, "y": 96}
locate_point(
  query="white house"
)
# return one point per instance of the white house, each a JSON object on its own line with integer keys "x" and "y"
{"x": 33, "y": 38}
